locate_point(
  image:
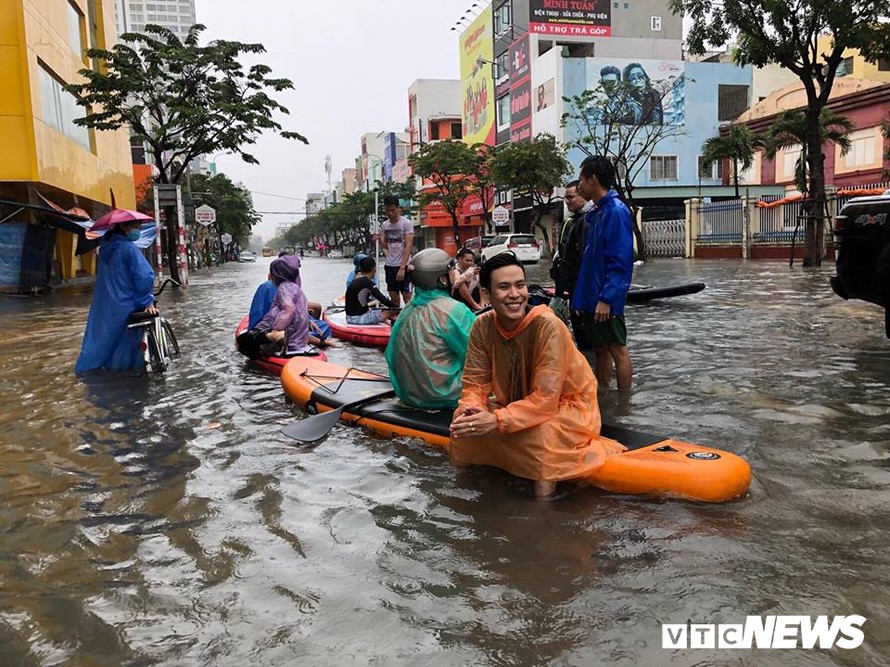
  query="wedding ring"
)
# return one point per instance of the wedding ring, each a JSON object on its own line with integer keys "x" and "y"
{"x": 472, "y": 428}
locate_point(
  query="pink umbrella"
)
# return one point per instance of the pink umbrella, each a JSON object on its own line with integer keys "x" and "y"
{"x": 117, "y": 216}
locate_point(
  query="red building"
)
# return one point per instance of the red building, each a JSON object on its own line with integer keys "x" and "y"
{"x": 865, "y": 103}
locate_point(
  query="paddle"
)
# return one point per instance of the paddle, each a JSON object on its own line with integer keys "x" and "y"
{"x": 318, "y": 426}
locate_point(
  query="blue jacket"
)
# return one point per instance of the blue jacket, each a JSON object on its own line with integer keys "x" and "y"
{"x": 608, "y": 262}
{"x": 124, "y": 282}
{"x": 262, "y": 303}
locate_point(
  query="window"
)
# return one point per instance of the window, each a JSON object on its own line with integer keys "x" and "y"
{"x": 503, "y": 112}
{"x": 655, "y": 23}
{"x": 434, "y": 132}
{"x": 59, "y": 109}
{"x": 502, "y": 19}
{"x": 663, "y": 168}
{"x": 731, "y": 101}
{"x": 75, "y": 32}
{"x": 790, "y": 156}
{"x": 502, "y": 66}
{"x": 710, "y": 172}
{"x": 884, "y": 65}
{"x": 862, "y": 149}
{"x": 456, "y": 131}
{"x": 844, "y": 67}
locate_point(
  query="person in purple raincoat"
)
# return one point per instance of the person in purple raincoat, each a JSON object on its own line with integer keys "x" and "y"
{"x": 124, "y": 282}
{"x": 287, "y": 322}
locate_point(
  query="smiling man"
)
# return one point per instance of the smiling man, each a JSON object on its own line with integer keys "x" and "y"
{"x": 544, "y": 422}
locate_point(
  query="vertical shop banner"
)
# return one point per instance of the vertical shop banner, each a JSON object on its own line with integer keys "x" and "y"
{"x": 520, "y": 91}
{"x": 570, "y": 17}
{"x": 477, "y": 82}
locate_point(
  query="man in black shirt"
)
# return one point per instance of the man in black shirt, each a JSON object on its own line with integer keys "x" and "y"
{"x": 359, "y": 294}
{"x": 571, "y": 251}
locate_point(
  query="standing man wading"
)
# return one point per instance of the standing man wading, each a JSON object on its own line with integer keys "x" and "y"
{"x": 606, "y": 270}
{"x": 397, "y": 236}
{"x": 571, "y": 250}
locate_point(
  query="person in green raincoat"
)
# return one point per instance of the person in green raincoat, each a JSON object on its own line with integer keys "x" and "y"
{"x": 428, "y": 343}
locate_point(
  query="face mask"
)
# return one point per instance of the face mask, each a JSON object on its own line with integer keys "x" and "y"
{"x": 133, "y": 235}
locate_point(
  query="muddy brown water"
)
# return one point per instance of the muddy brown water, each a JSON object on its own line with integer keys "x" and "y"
{"x": 168, "y": 522}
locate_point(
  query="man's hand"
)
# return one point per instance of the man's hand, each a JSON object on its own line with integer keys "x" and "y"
{"x": 603, "y": 311}
{"x": 151, "y": 310}
{"x": 400, "y": 276}
{"x": 474, "y": 422}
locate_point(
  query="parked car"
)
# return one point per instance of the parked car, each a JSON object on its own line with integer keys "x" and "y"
{"x": 524, "y": 246}
{"x": 246, "y": 256}
{"x": 478, "y": 243}
{"x": 862, "y": 233}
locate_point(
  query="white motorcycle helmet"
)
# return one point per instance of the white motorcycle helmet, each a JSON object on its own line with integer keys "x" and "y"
{"x": 429, "y": 269}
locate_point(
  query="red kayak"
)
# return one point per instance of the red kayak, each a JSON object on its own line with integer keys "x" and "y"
{"x": 375, "y": 335}
{"x": 275, "y": 364}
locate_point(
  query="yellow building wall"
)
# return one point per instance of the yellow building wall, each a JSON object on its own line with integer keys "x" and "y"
{"x": 34, "y": 32}
{"x": 861, "y": 68}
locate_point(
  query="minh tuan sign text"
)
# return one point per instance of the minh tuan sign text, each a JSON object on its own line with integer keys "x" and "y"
{"x": 587, "y": 18}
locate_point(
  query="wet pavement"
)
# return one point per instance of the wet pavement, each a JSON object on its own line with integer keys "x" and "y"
{"x": 169, "y": 522}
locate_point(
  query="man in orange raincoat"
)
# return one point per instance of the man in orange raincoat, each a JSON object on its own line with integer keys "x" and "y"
{"x": 544, "y": 422}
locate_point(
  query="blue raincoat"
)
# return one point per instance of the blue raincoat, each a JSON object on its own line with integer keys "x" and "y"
{"x": 262, "y": 302}
{"x": 124, "y": 281}
{"x": 608, "y": 261}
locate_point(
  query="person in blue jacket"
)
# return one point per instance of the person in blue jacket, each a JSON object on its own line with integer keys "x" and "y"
{"x": 262, "y": 302}
{"x": 606, "y": 269}
{"x": 124, "y": 284}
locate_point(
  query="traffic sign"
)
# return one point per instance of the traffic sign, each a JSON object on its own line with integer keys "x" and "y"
{"x": 205, "y": 215}
{"x": 226, "y": 238}
{"x": 500, "y": 215}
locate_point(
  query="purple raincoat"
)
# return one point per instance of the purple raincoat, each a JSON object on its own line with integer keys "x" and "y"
{"x": 289, "y": 311}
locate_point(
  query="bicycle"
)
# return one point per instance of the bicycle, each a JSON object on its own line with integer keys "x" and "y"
{"x": 158, "y": 344}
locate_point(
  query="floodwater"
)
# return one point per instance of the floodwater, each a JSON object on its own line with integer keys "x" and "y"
{"x": 169, "y": 522}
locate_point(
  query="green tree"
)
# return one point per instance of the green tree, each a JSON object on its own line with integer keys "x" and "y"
{"x": 788, "y": 34}
{"x": 738, "y": 144}
{"x": 532, "y": 169}
{"x": 603, "y": 121}
{"x": 452, "y": 169}
{"x": 233, "y": 203}
{"x": 790, "y": 130}
{"x": 182, "y": 99}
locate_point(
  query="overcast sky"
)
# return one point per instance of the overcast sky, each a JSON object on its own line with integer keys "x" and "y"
{"x": 351, "y": 62}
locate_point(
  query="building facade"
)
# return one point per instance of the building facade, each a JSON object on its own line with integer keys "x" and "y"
{"x": 176, "y": 15}
{"x": 42, "y": 48}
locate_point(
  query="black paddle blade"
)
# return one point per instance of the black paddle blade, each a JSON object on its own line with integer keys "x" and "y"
{"x": 315, "y": 427}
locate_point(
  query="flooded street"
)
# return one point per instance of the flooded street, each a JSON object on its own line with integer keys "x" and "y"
{"x": 169, "y": 522}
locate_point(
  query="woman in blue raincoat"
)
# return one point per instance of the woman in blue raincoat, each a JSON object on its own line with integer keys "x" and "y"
{"x": 124, "y": 282}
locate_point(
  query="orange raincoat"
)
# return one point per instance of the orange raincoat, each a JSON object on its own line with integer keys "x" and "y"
{"x": 544, "y": 400}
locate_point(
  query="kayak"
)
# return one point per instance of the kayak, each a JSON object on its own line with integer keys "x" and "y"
{"x": 640, "y": 294}
{"x": 275, "y": 364}
{"x": 652, "y": 465}
{"x": 376, "y": 335}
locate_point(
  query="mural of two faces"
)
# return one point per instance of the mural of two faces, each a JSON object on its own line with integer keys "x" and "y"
{"x": 637, "y": 92}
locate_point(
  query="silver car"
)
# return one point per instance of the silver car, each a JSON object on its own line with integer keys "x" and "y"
{"x": 524, "y": 246}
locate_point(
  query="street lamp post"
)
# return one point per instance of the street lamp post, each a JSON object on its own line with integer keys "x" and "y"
{"x": 376, "y": 218}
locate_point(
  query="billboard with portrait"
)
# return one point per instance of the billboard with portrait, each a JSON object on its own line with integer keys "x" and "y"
{"x": 585, "y": 18}
{"x": 637, "y": 92}
{"x": 520, "y": 90}
{"x": 477, "y": 82}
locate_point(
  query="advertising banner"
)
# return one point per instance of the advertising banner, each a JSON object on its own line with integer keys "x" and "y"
{"x": 477, "y": 82}
{"x": 587, "y": 18}
{"x": 520, "y": 91}
{"x": 637, "y": 92}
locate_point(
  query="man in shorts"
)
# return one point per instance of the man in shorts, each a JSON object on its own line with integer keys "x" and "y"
{"x": 397, "y": 235}
{"x": 606, "y": 269}
{"x": 360, "y": 293}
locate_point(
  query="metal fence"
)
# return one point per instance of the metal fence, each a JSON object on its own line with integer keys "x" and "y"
{"x": 721, "y": 222}
{"x": 665, "y": 238}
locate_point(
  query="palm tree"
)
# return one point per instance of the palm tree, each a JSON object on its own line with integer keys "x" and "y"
{"x": 789, "y": 131}
{"x": 739, "y": 144}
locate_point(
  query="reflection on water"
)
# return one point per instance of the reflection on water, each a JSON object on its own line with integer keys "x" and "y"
{"x": 168, "y": 521}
